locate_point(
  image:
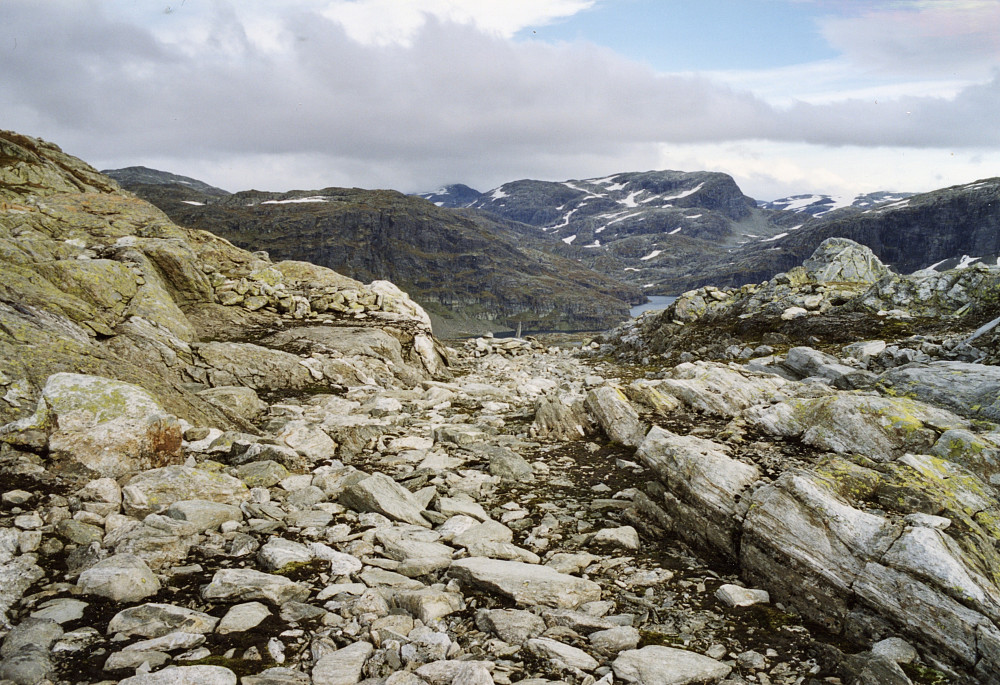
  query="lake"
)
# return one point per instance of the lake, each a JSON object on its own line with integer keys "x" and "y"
{"x": 654, "y": 303}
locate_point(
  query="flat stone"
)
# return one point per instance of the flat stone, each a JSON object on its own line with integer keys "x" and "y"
{"x": 61, "y": 610}
{"x": 278, "y": 553}
{"x": 429, "y": 604}
{"x": 247, "y": 584}
{"x": 615, "y": 640}
{"x": 896, "y": 649}
{"x": 168, "y": 643}
{"x": 184, "y": 675}
{"x": 625, "y": 537}
{"x": 736, "y": 596}
{"x": 152, "y": 492}
{"x": 561, "y": 655}
{"x": 514, "y": 626}
{"x": 121, "y": 578}
{"x": 342, "y": 667}
{"x": 243, "y": 617}
{"x": 381, "y": 494}
{"x": 655, "y": 665}
{"x": 205, "y": 515}
{"x": 155, "y": 620}
{"x": 526, "y": 584}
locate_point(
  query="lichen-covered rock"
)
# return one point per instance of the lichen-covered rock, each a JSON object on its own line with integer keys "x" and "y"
{"x": 154, "y": 491}
{"x": 841, "y": 260}
{"x": 971, "y": 390}
{"x": 107, "y": 427}
{"x": 882, "y": 428}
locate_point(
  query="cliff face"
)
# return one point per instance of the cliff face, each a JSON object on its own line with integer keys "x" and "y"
{"x": 470, "y": 274}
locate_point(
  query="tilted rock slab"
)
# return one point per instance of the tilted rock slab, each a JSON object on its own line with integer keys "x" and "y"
{"x": 620, "y": 421}
{"x": 381, "y": 494}
{"x": 704, "y": 485}
{"x": 526, "y": 584}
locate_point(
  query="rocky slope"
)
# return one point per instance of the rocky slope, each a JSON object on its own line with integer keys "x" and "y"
{"x": 278, "y": 477}
{"x": 470, "y": 273}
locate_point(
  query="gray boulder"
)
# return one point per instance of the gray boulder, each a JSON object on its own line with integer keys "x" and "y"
{"x": 237, "y": 585}
{"x": 612, "y": 410}
{"x": 381, "y": 494}
{"x": 106, "y": 426}
{"x": 656, "y": 665}
{"x": 704, "y": 487}
{"x": 120, "y": 578}
{"x": 526, "y": 584}
{"x": 971, "y": 390}
{"x": 839, "y": 260}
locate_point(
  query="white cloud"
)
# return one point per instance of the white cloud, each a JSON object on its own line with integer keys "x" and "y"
{"x": 241, "y": 95}
{"x": 923, "y": 37}
{"x": 385, "y": 22}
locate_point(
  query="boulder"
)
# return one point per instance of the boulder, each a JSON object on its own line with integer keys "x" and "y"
{"x": 655, "y": 665}
{"x": 120, "y": 578}
{"x": 704, "y": 487}
{"x": 612, "y": 410}
{"x": 526, "y": 584}
{"x": 155, "y": 620}
{"x": 718, "y": 389}
{"x": 108, "y": 427}
{"x": 342, "y": 667}
{"x": 970, "y": 390}
{"x": 839, "y": 260}
{"x": 381, "y": 494}
{"x": 204, "y": 514}
{"x": 882, "y": 428}
{"x": 155, "y": 490}
{"x": 246, "y": 584}
{"x": 241, "y": 401}
{"x": 184, "y": 675}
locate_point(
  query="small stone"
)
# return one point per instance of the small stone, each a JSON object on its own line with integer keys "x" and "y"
{"x": 243, "y": 617}
{"x": 896, "y": 649}
{"x": 736, "y": 596}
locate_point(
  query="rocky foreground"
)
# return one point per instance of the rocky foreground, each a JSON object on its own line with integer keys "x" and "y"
{"x": 219, "y": 469}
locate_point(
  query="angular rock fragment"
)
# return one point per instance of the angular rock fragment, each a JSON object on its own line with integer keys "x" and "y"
{"x": 526, "y": 584}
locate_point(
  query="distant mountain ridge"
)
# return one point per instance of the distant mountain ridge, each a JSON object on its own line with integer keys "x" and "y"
{"x": 820, "y": 205}
{"x": 945, "y": 228}
{"x": 135, "y": 175}
{"x": 472, "y": 273}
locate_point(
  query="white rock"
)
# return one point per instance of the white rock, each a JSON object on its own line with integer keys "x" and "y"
{"x": 121, "y": 578}
{"x": 736, "y": 596}
{"x": 657, "y": 665}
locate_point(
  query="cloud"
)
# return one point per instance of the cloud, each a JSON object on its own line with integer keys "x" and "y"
{"x": 247, "y": 96}
{"x": 925, "y": 37}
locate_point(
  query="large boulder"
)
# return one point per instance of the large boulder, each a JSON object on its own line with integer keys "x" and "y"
{"x": 615, "y": 414}
{"x": 107, "y": 427}
{"x": 839, "y": 260}
{"x": 705, "y": 485}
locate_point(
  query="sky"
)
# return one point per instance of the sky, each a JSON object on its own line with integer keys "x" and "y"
{"x": 787, "y": 96}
